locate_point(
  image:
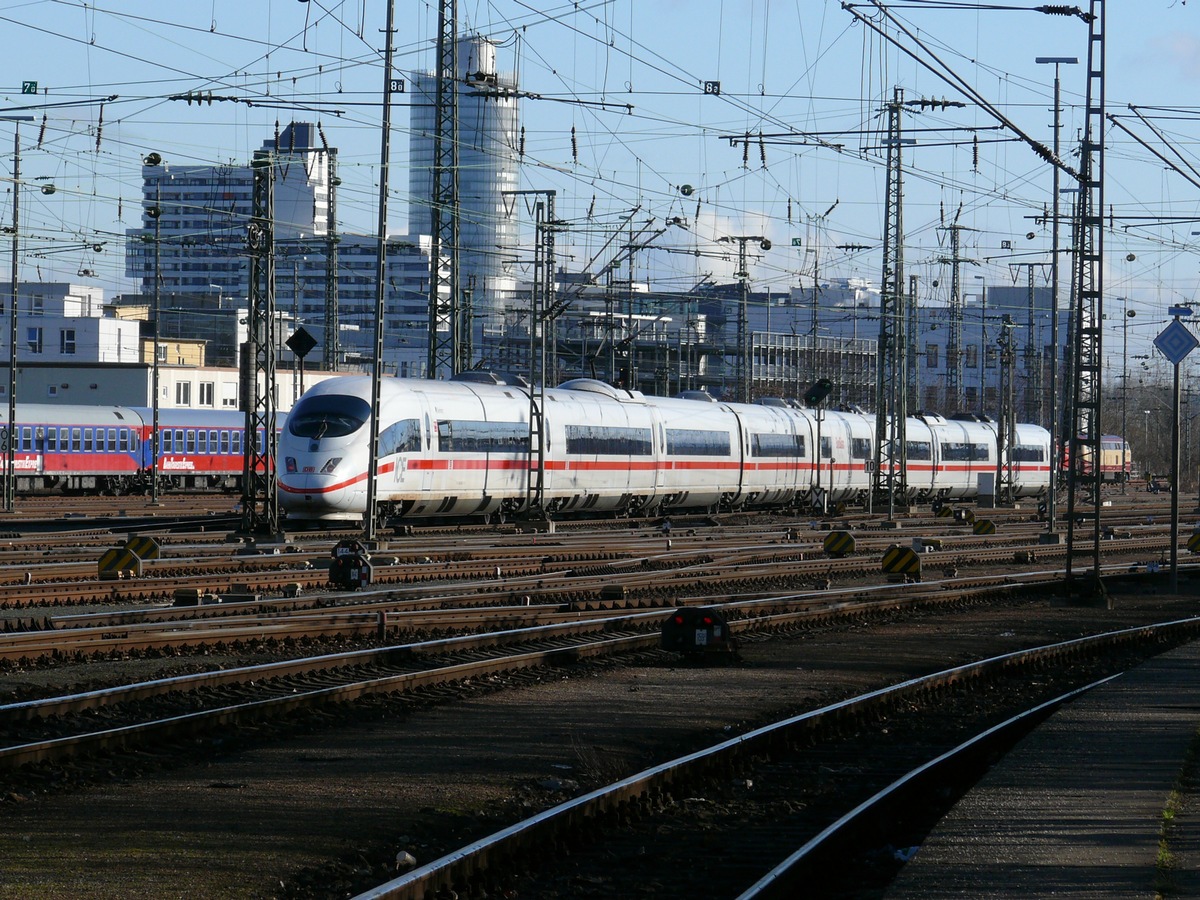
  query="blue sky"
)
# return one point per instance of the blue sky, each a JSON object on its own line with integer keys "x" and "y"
{"x": 620, "y": 124}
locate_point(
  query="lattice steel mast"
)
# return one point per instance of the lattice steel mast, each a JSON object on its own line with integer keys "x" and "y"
{"x": 891, "y": 451}
{"x": 260, "y": 500}
{"x": 954, "y": 340}
{"x": 332, "y": 349}
{"x": 445, "y": 352}
{"x": 1085, "y": 433}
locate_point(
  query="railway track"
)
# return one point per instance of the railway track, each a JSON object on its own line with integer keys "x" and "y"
{"x": 775, "y": 801}
{"x": 446, "y": 583}
{"x": 490, "y": 642}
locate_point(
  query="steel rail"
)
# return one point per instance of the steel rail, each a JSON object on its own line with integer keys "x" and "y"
{"x": 207, "y": 720}
{"x": 537, "y": 832}
{"x": 775, "y": 880}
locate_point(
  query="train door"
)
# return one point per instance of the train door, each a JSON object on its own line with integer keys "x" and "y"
{"x": 743, "y": 439}
{"x": 834, "y": 452}
{"x": 426, "y": 457}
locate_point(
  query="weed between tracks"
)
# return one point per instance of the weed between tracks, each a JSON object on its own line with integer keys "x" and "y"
{"x": 1178, "y": 805}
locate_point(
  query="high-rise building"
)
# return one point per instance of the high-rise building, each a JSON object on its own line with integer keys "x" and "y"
{"x": 488, "y": 145}
{"x": 196, "y": 247}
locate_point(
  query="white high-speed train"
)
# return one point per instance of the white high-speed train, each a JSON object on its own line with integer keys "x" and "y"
{"x": 463, "y": 448}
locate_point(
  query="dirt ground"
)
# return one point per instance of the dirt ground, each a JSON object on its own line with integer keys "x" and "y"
{"x": 269, "y": 821}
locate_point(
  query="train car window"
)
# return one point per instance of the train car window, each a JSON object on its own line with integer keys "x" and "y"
{"x": 328, "y": 415}
{"x": 190, "y": 438}
{"x": 1023, "y": 453}
{"x": 224, "y": 441}
{"x": 592, "y": 440}
{"x": 76, "y": 439}
{"x": 64, "y": 440}
{"x": 860, "y": 448}
{"x": 87, "y": 440}
{"x": 400, "y": 437}
{"x": 112, "y": 439}
{"x": 202, "y": 442}
{"x": 237, "y": 442}
{"x": 955, "y": 452}
{"x": 26, "y": 438}
{"x": 980, "y": 452}
{"x": 178, "y": 442}
{"x": 692, "y": 442}
{"x": 123, "y": 440}
{"x": 767, "y": 444}
{"x": 212, "y": 442}
{"x": 465, "y": 436}
{"x": 40, "y": 438}
{"x": 134, "y": 442}
{"x": 919, "y": 450}
{"x": 51, "y": 440}
{"x": 826, "y": 447}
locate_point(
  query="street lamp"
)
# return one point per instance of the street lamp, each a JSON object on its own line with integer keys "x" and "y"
{"x": 1051, "y": 500}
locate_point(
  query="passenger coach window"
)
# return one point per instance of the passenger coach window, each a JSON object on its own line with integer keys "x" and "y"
{"x": 958, "y": 452}
{"x": 191, "y": 441}
{"x": 777, "y": 445}
{"x": 1029, "y": 454}
{"x": 860, "y": 448}
{"x": 456, "y": 436}
{"x": 237, "y": 443}
{"x": 826, "y": 447}
{"x": 76, "y": 439}
{"x": 51, "y": 440}
{"x": 919, "y": 450}
{"x": 112, "y": 439}
{"x": 224, "y": 441}
{"x": 123, "y": 440}
{"x": 87, "y": 440}
{"x": 596, "y": 439}
{"x": 202, "y": 442}
{"x": 401, "y": 437}
{"x": 178, "y": 444}
{"x": 687, "y": 442}
{"x": 26, "y": 438}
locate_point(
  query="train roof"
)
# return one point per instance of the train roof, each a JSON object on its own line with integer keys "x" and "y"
{"x": 197, "y": 418}
{"x": 69, "y": 415}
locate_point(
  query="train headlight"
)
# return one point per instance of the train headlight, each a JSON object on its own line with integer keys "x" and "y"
{"x": 330, "y": 465}
{"x": 289, "y": 463}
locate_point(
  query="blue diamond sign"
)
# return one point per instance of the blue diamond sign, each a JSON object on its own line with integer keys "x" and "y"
{"x": 1176, "y": 341}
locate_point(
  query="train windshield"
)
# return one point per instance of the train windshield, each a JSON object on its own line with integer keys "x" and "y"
{"x": 328, "y": 415}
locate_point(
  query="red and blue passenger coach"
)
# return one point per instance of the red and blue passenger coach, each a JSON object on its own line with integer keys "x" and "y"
{"x": 109, "y": 449}
{"x": 76, "y": 448}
